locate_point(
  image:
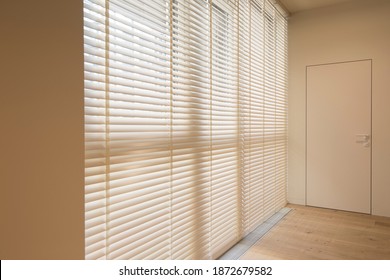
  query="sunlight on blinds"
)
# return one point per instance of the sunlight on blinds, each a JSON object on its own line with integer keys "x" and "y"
{"x": 185, "y": 125}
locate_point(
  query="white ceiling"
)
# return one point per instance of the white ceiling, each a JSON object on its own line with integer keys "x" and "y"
{"x": 294, "y": 6}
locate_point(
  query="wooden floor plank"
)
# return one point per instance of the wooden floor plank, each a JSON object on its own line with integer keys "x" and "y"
{"x": 310, "y": 233}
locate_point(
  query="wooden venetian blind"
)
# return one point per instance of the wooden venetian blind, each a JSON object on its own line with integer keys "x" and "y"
{"x": 185, "y": 125}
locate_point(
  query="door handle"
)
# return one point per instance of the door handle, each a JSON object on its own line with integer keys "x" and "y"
{"x": 363, "y": 139}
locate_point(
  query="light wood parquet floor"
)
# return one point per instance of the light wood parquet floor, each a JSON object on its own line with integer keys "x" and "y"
{"x": 310, "y": 233}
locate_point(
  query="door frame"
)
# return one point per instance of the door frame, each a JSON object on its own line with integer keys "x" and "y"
{"x": 306, "y": 122}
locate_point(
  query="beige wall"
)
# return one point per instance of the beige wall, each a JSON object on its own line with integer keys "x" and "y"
{"x": 349, "y": 31}
{"x": 41, "y": 111}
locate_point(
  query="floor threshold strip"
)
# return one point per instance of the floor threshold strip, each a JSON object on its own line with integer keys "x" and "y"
{"x": 248, "y": 241}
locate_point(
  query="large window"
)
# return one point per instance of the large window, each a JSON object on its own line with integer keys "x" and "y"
{"x": 185, "y": 125}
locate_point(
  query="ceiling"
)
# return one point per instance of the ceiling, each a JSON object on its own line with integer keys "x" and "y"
{"x": 294, "y": 6}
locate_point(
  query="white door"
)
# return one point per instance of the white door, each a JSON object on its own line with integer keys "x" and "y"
{"x": 339, "y": 136}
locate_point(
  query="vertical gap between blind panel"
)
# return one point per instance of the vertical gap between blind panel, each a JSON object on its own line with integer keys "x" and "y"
{"x": 211, "y": 128}
{"x": 107, "y": 120}
{"x": 239, "y": 128}
{"x": 275, "y": 79}
{"x": 264, "y": 114}
{"x": 171, "y": 127}
{"x": 250, "y": 120}
{"x": 285, "y": 66}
